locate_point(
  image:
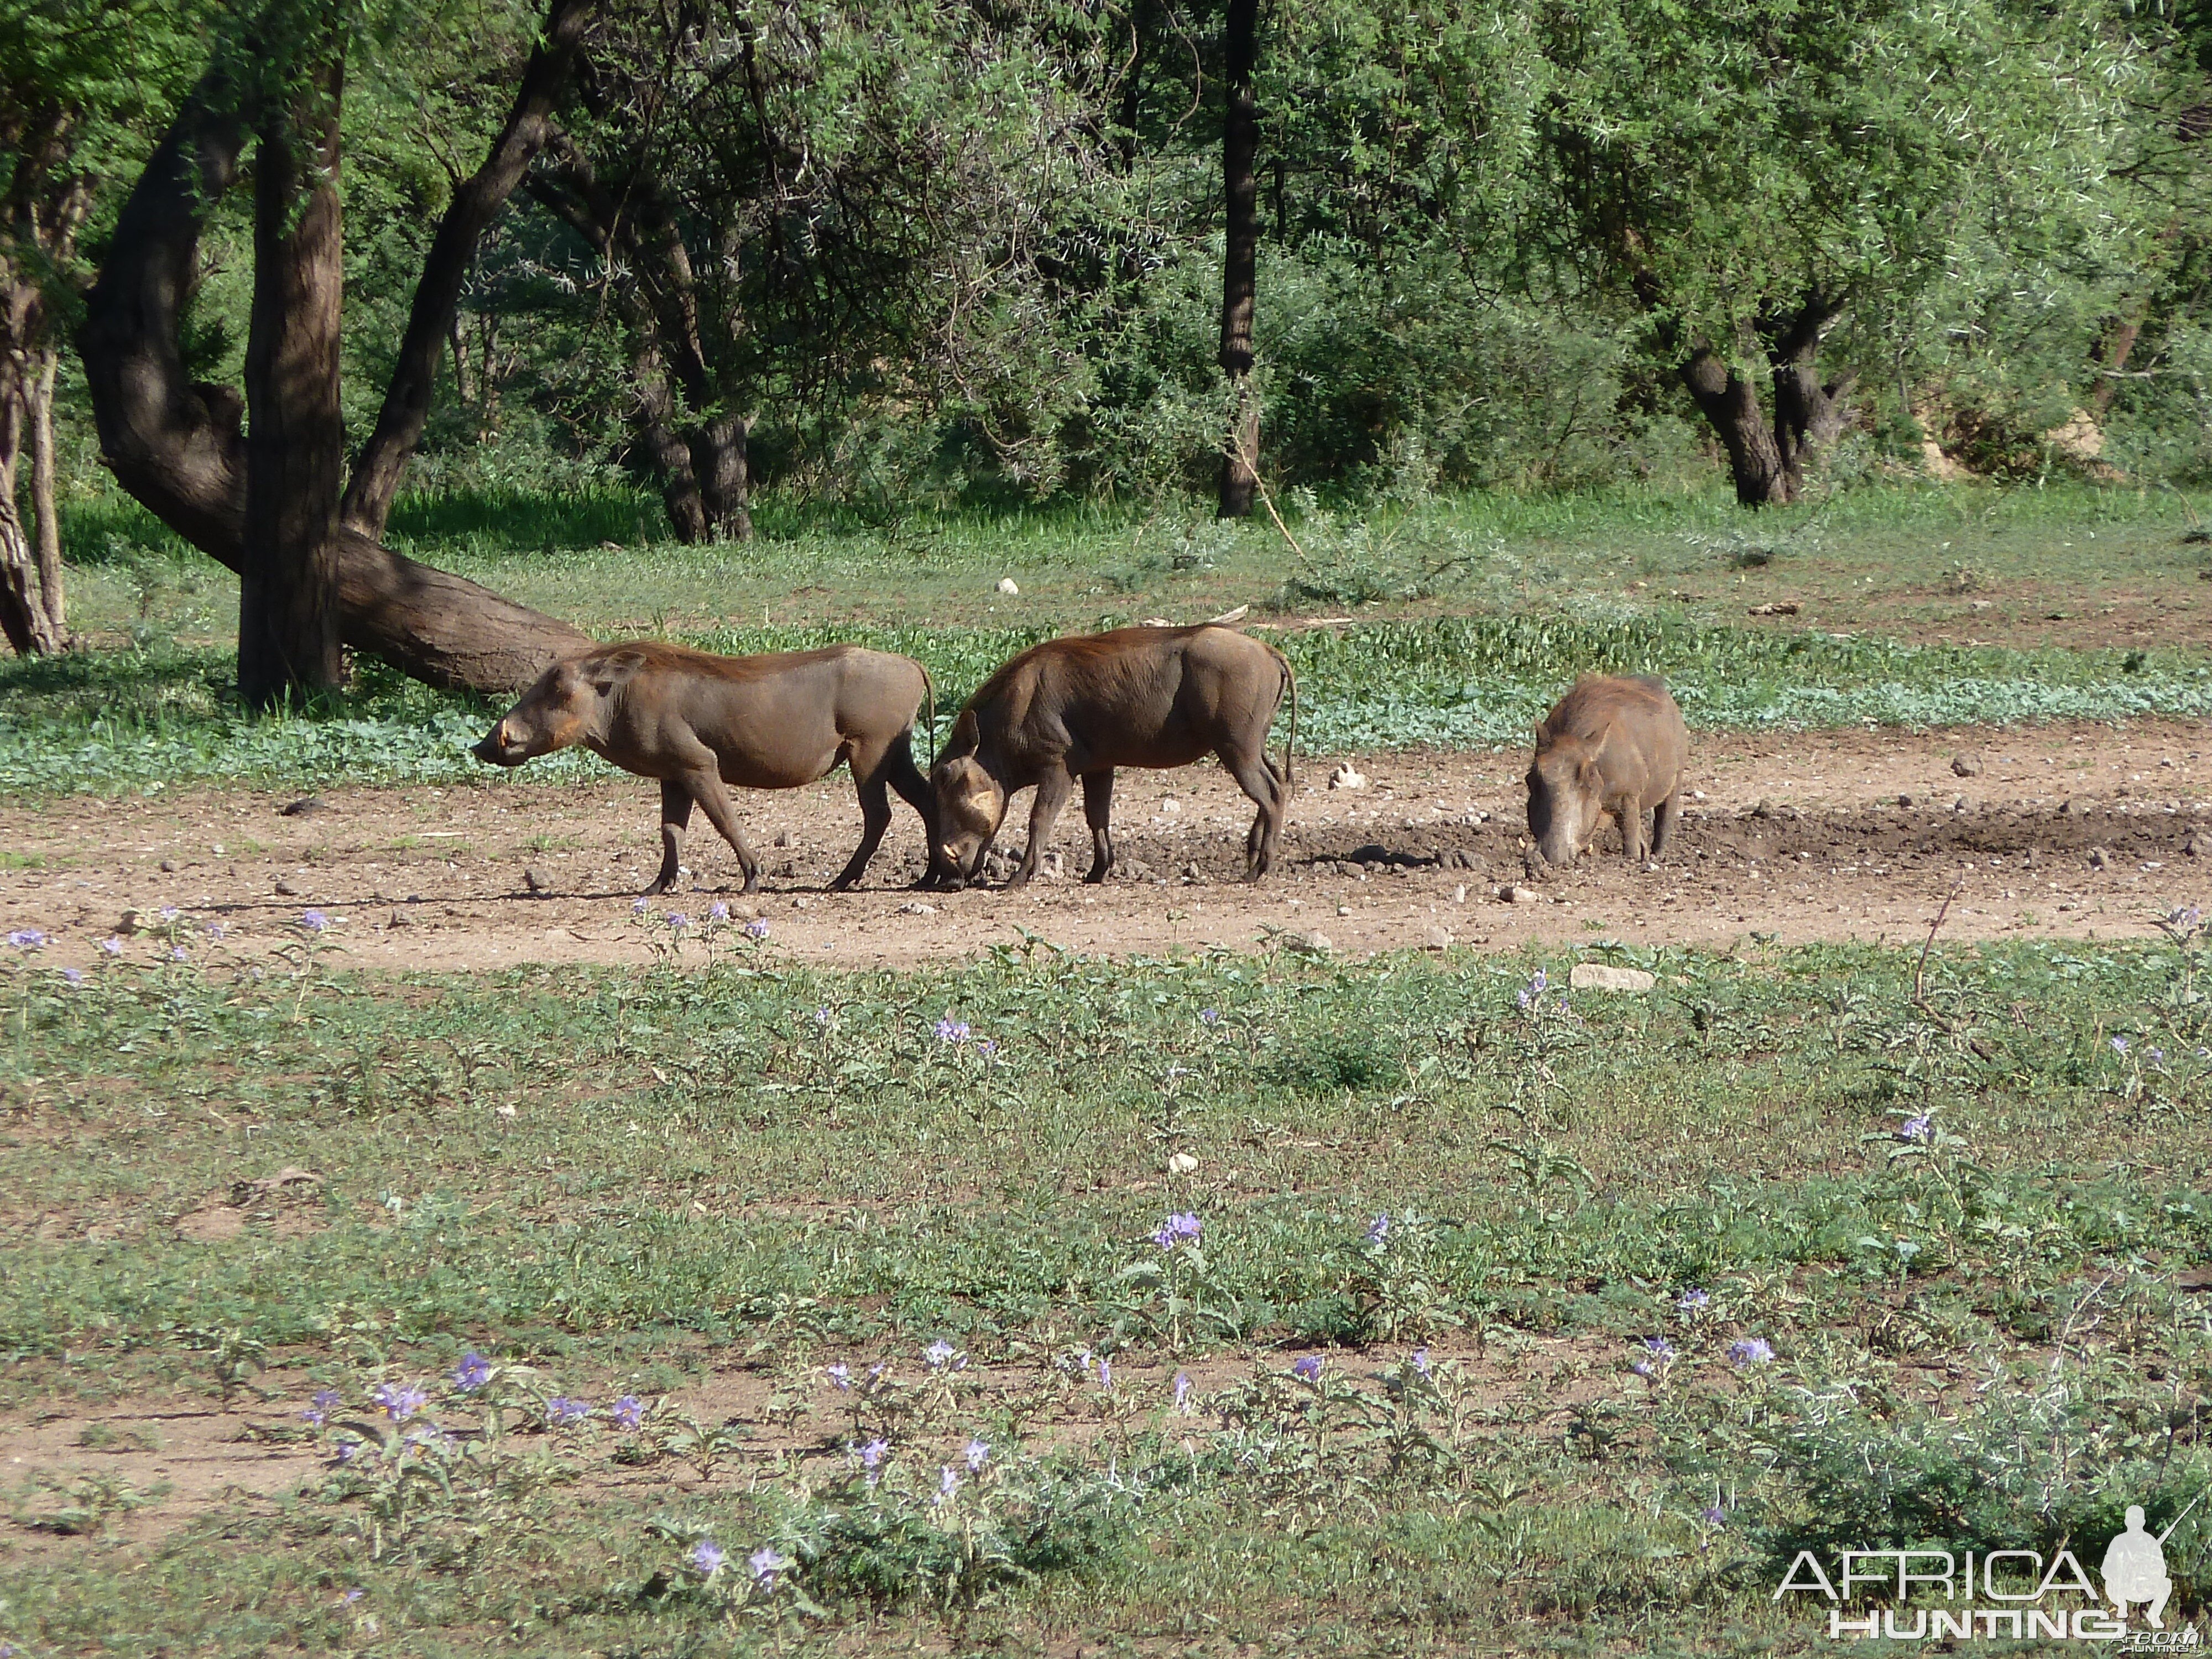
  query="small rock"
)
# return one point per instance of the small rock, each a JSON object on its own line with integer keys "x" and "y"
{"x": 1777, "y": 608}
{"x": 1959, "y": 805}
{"x": 1516, "y": 894}
{"x": 799, "y": 903}
{"x": 1309, "y": 945}
{"x": 1603, "y": 976}
{"x": 534, "y": 881}
{"x": 1171, "y": 807}
{"x": 1155, "y": 622}
{"x": 285, "y": 888}
{"x": 1190, "y": 871}
{"x": 399, "y": 920}
{"x": 2100, "y": 859}
{"x": 2028, "y": 859}
{"x": 132, "y": 922}
{"x": 1905, "y": 800}
{"x": 783, "y": 838}
{"x": 1966, "y": 764}
{"x": 1344, "y": 910}
{"x": 1181, "y": 1163}
{"x": 168, "y": 866}
{"x": 1459, "y": 894}
{"x": 2193, "y": 848}
{"x": 916, "y": 907}
{"x": 1006, "y": 587}
{"x": 1345, "y": 778}
{"x": 300, "y": 809}
{"x": 2066, "y": 809}
{"x": 1764, "y": 809}
{"x": 1697, "y": 794}
{"x": 1438, "y": 939}
{"x": 1052, "y": 867}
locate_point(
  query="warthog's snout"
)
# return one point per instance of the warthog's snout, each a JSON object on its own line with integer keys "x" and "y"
{"x": 496, "y": 749}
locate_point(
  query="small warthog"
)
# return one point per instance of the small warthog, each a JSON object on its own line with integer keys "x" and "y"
{"x": 697, "y": 721}
{"x": 1611, "y": 746}
{"x": 1080, "y": 708}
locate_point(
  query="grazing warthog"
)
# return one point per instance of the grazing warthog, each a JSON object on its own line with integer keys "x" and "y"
{"x": 1611, "y": 746}
{"x": 1080, "y": 708}
{"x": 697, "y": 722}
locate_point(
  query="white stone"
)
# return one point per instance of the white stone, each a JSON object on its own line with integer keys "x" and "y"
{"x": 1345, "y": 778}
{"x": 1006, "y": 587}
{"x": 1602, "y": 976}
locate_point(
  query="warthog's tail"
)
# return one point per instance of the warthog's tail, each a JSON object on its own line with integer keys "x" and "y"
{"x": 929, "y": 695}
{"x": 1291, "y": 685}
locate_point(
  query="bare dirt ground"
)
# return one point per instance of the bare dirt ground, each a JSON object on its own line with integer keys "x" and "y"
{"x": 2079, "y": 831}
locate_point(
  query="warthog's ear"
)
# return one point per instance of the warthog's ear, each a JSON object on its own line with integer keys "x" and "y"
{"x": 616, "y": 668}
{"x": 1543, "y": 737}
{"x": 966, "y": 731}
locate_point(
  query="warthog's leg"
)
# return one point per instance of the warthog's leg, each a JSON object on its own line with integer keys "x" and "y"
{"x": 874, "y": 772}
{"x": 1632, "y": 830}
{"x": 914, "y": 789}
{"x": 1257, "y": 779}
{"x": 1097, "y": 810}
{"x": 675, "y": 814}
{"x": 1051, "y": 792}
{"x": 705, "y": 784}
{"x": 1663, "y": 820}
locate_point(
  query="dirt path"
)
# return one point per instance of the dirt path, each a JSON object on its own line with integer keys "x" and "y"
{"x": 2064, "y": 830}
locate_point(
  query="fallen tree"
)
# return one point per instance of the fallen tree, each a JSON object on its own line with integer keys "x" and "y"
{"x": 176, "y": 445}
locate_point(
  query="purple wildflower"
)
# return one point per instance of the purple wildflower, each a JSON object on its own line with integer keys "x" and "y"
{"x": 629, "y": 1412}
{"x": 871, "y": 1458}
{"x": 351, "y": 1595}
{"x": 1715, "y": 1515}
{"x": 1178, "y": 1229}
{"x": 400, "y": 1400}
{"x": 978, "y": 1454}
{"x": 2119, "y": 1045}
{"x": 639, "y": 909}
{"x": 842, "y": 1376}
{"x": 74, "y": 975}
{"x": 346, "y": 1451}
{"x": 1183, "y": 1393}
{"x": 947, "y": 1484}
{"x": 678, "y": 922}
{"x": 110, "y": 946}
{"x": 1308, "y": 1368}
{"x": 766, "y": 1563}
{"x": 1920, "y": 1128}
{"x": 1106, "y": 1375}
{"x": 939, "y": 1354}
{"x": 1693, "y": 1300}
{"x": 707, "y": 1557}
{"x": 1210, "y": 1016}
{"x": 325, "y": 1402}
{"x": 169, "y": 913}
{"x": 313, "y": 921}
{"x": 217, "y": 932}
{"x": 988, "y": 1049}
{"x": 1750, "y": 1350}
{"x": 1421, "y": 1361}
{"x": 756, "y": 928}
{"x": 561, "y": 1409}
{"x": 1378, "y": 1229}
{"x": 27, "y": 939}
{"x": 821, "y": 1016}
{"x": 949, "y": 1030}
{"x": 473, "y": 1373}
{"x": 718, "y": 911}
{"x": 177, "y": 954}
{"x": 2155, "y": 1056}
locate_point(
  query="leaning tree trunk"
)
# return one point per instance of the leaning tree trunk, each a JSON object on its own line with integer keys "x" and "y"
{"x": 1240, "y": 149}
{"x": 288, "y": 624}
{"x": 1809, "y": 413}
{"x": 175, "y": 444}
{"x": 1730, "y": 404}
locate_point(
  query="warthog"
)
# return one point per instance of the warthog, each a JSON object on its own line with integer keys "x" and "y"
{"x": 697, "y": 721}
{"x": 1611, "y": 746}
{"x": 1080, "y": 708}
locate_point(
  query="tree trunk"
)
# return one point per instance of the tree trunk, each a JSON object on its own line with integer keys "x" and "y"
{"x": 657, "y": 436}
{"x": 1808, "y": 415}
{"x": 288, "y": 624}
{"x": 718, "y": 457}
{"x": 176, "y": 446}
{"x": 1239, "y": 148}
{"x": 1730, "y": 402}
{"x": 46, "y": 519}
{"x": 383, "y": 459}
{"x": 24, "y": 618}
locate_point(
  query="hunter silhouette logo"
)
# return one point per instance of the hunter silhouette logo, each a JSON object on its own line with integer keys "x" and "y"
{"x": 2135, "y": 1567}
{"x": 1981, "y": 1595}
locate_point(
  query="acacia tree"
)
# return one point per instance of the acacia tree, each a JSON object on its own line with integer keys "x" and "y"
{"x": 1240, "y": 190}
{"x": 1747, "y": 174}
{"x": 265, "y": 501}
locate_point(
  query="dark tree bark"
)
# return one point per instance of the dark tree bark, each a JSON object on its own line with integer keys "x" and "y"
{"x": 383, "y": 459}
{"x": 1730, "y": 404}
{"x": 175, "y": 446}
{"x": 1240, "y": 149}
{"x": 1808, "y": 412}
{"x": 288, "y": 623}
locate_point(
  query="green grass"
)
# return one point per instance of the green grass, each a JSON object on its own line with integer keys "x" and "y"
{"x": 623, "y": 1179}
